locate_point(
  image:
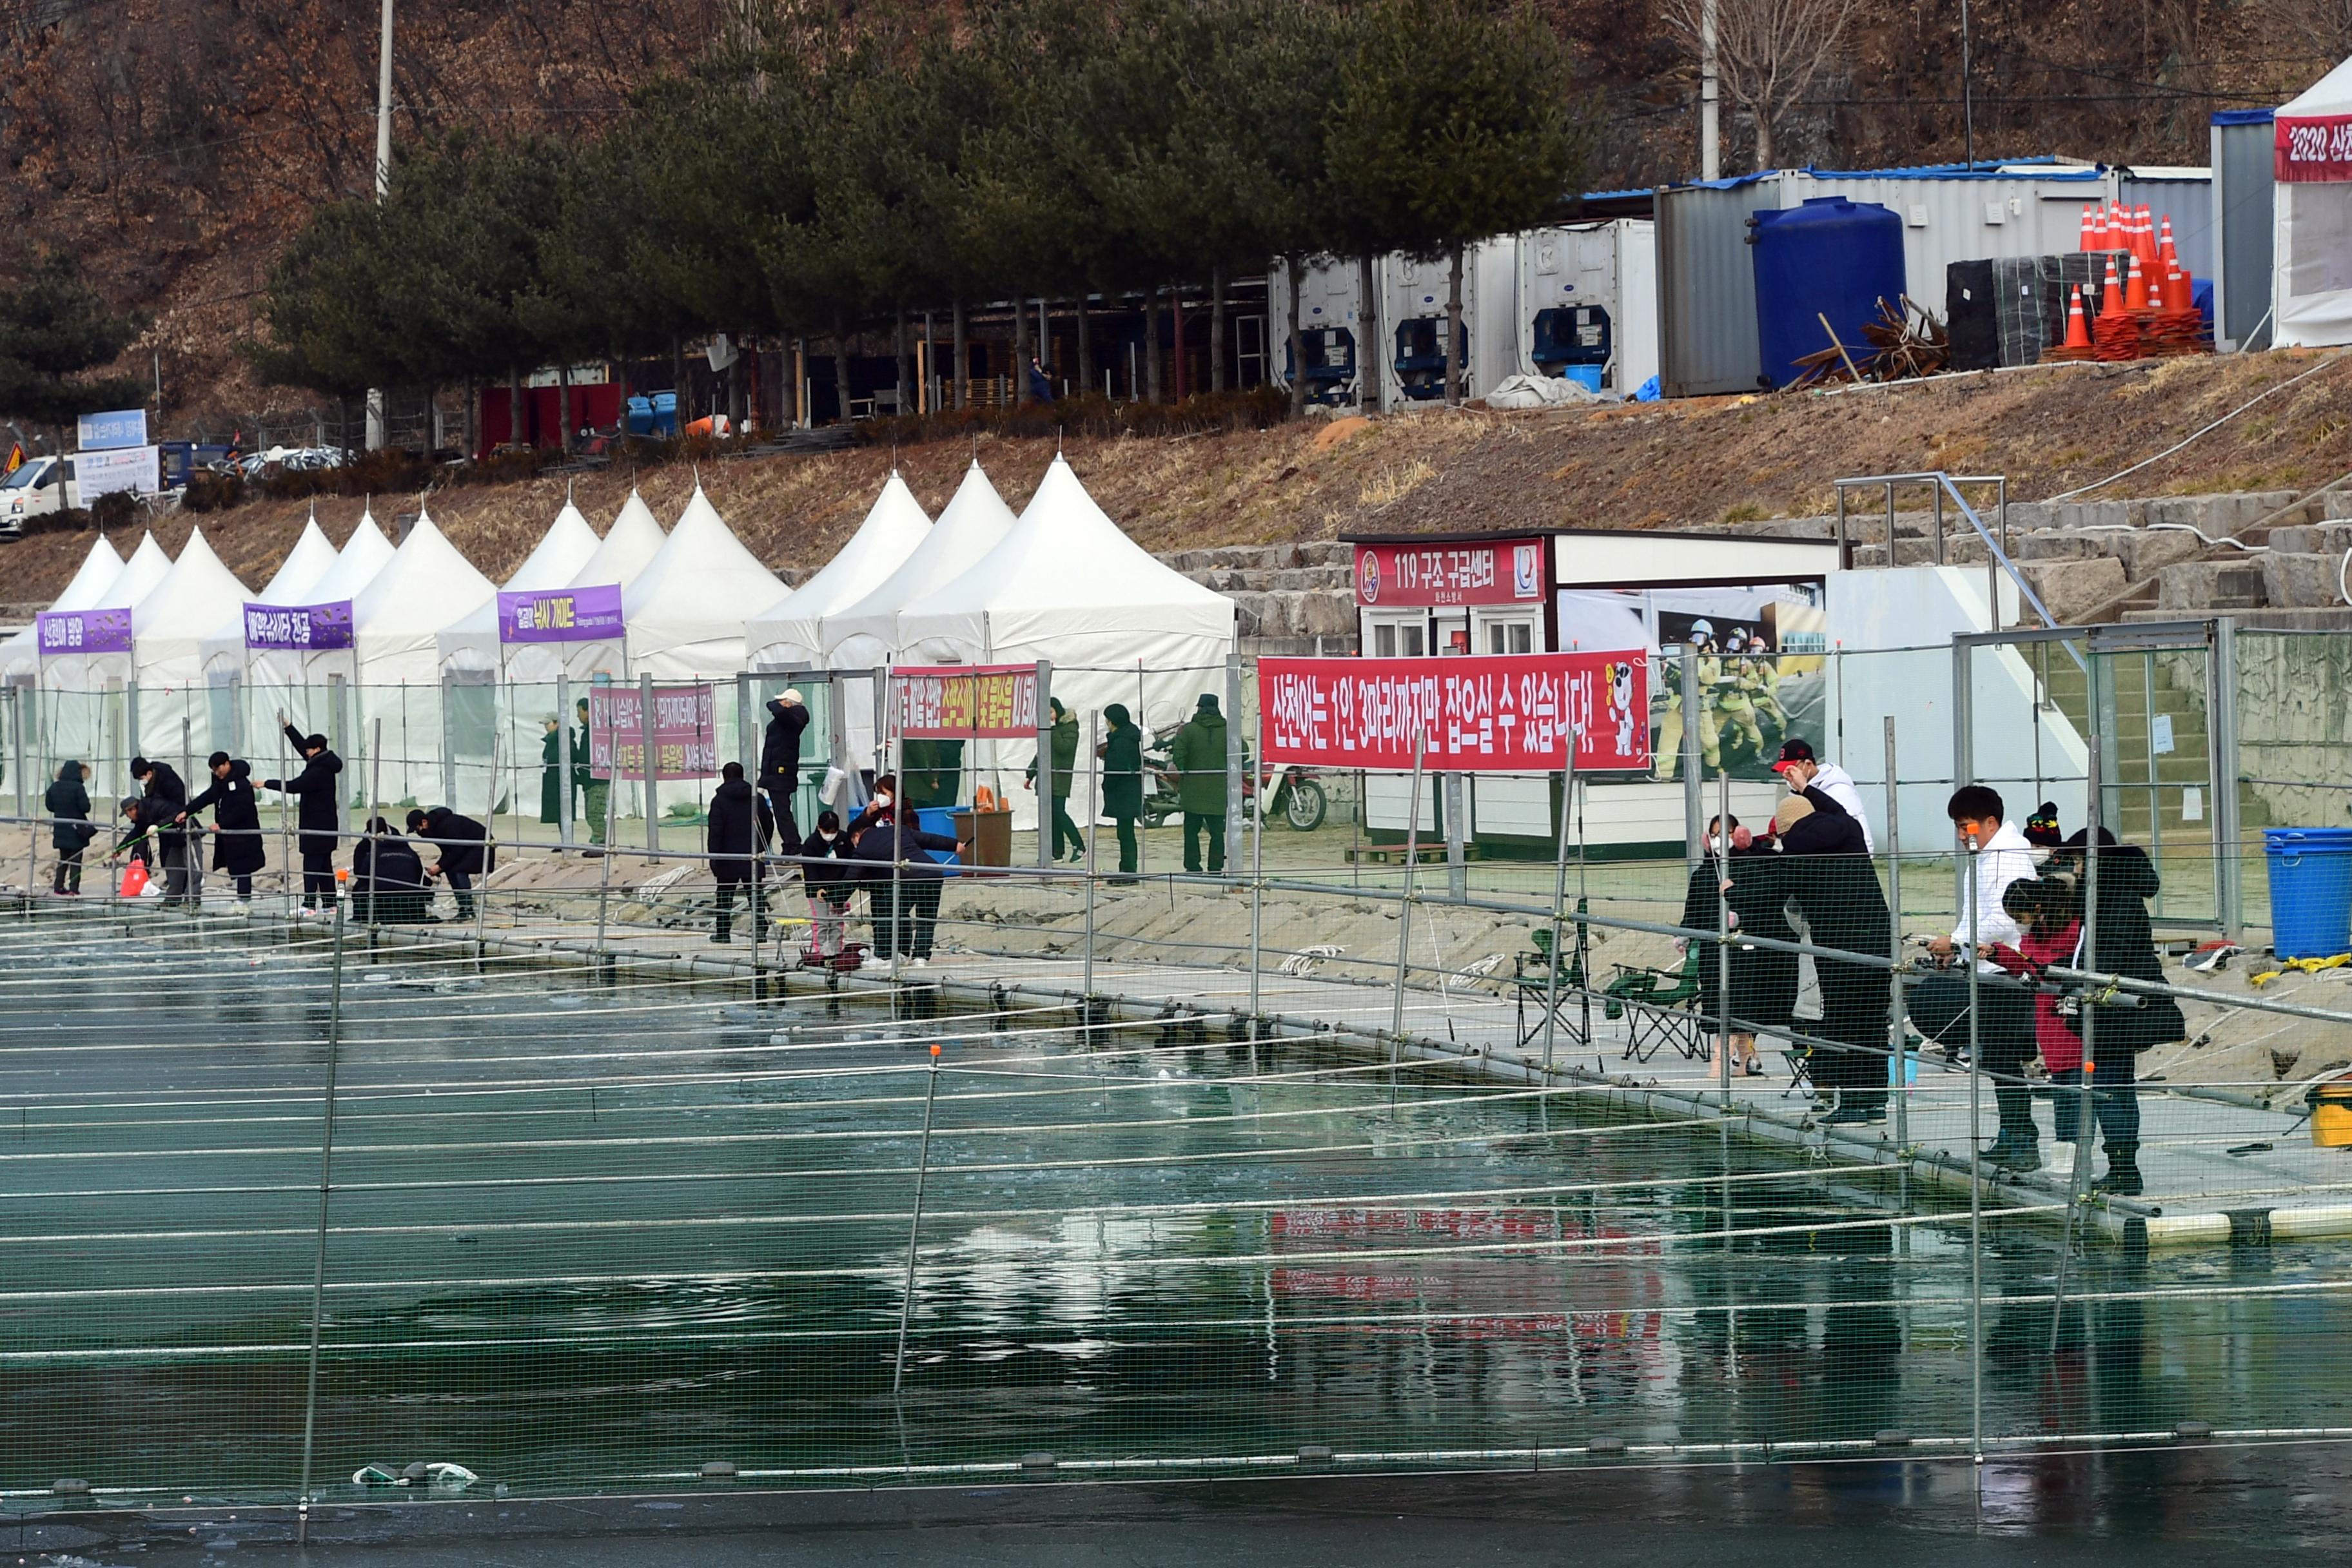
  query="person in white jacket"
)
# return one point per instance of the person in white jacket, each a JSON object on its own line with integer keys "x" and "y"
{"x": 1802, "y": 768}
{"x": 1940, "y": 1004}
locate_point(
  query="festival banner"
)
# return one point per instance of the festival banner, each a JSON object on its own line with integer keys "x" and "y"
{"x": 686, "y": 731}
{"x": 2318, "y": 147}
{"x": 966, "y": 701}
{"x": 1512, "y": 713}
{"x": 1421, "y": 576}
{"x": 136, "y": 469}
{"x": 299, "y": 629}
{"x": 84, "y": 631}
{"x": 561, "y": 614}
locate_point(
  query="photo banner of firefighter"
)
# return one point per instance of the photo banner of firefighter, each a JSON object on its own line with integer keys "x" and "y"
{"x": 1511, "y": 713}
{"x": 1763, "y": 649}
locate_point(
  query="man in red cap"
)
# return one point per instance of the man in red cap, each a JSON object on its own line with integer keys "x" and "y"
{"x": 1803, "y": 769}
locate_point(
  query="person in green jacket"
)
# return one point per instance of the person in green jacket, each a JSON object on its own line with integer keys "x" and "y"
{"x": 1198, "y": 758}
{"x": 596, "y": 794}
{"x": 1065, "y": 768}
{"x": 1121, "y": 755}
{"x": 551, "y": 773}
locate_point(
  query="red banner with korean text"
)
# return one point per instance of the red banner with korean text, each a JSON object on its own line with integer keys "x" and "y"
{"x": 1422, "y": 575}
{"x": 1514, "y": 713}
{"x": 2316, "y": 147}
{"x": 686, "y": 732}
{"x": 965, "y": 702}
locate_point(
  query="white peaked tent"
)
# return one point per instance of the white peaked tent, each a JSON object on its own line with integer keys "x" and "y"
{"x": 686, "y": 611}
{"x": 167, "y": 628}
{"x": 628, "y": 548}
{"x": 295, "y": 684}
{"x": 864, "y": 634}
{"x": 147, "y": 567}
{"x": 396, "y": 663}
{"x": 793, "y": 632}
{"x": 471, "y": 642}
{"x": 20, "y": 656}
{"x": 313, "y": 555}
{"x": 2311, "y": 216}
{"x": 1067, "y": 585}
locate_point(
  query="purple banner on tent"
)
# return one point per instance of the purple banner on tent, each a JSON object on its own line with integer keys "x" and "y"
{"x": 299, "y": 629}
{"x": 85, "y": 631}
{"x": 561, "y": 614}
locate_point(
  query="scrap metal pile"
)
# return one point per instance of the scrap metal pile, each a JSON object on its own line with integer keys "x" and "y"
{"x": 1900, "y": 345}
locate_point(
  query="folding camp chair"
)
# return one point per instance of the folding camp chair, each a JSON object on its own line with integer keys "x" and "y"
{"x": 1660, "y": 1007}
{"x": 1565, "y": 996}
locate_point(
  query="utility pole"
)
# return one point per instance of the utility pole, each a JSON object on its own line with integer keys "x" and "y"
{"x": 1967, "y": 97}
{"x": 1710, "y": 128}
{"x": 375, "y": 431}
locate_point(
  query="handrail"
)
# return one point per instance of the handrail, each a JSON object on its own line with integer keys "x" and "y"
{"x": 1997, "y": 560}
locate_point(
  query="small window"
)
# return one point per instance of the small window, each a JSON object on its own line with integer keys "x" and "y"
{"x": 1411, "y": 640}
{"x": 1384, "y": 641}
{"x": 1523, "y": 639}
{"x": 1495, "y": 638}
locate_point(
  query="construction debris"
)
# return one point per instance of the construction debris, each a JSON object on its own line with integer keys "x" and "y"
{"x": 1900, "y": 345}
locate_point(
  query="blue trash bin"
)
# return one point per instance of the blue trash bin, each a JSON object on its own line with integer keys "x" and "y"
{"x": 2311, "y": 890}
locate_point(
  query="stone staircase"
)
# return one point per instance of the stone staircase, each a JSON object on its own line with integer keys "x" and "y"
{"x": 1291, "y": 598}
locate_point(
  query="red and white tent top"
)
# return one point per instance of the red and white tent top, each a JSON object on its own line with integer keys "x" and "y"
{"x": 2311, "y": 215}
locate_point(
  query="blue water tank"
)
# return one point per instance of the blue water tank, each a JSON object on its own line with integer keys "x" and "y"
{"x": 1829, "y": 257}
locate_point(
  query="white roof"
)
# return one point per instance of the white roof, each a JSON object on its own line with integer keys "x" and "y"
{"x": 1067, "y": 585}
{"x": 471, "y": 641}
{"x": 686, "y": 610}
{"x": 792, "y": 631}
{"x": 311, "y": 558}
{"x": 419, "y": 591}
{"x": 629, "y": 547}
{"x": 363, "y": 554}
{"x": 170, "y": 622}
{"x": 148, "y": 565}
{"x": 865, "y": 634}
{"x": 98, "y": 569}
{"x": 2331, "y": 94}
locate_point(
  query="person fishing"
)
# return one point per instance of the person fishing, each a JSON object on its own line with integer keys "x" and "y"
{"x": 319, "y": 816}
{"x": 465, "y": 851}
{"x": 237, "y": 824}
{"x": 67, "y": 802}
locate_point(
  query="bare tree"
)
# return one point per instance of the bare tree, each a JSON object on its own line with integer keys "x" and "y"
{"x": 2322, "y": 26}
{"x": 1767, "y": 52}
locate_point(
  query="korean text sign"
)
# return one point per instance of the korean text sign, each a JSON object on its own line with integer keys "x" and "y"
{"x": 962, "y": 702}
{"x": 686, "y": 731}
{"x": 301, "y": 628}
{"x": 2313, "y": 147}
{"x": 1514, "y": 713}
{"x": 84, "y": 631}
{"x": 561, "y": 614}
{"x": 1419, "y": 576}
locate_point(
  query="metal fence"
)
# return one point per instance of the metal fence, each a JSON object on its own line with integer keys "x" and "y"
{"x": 1329, "y": 1161}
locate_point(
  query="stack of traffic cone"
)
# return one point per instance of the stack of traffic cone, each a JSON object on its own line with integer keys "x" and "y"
{"x": 2135, "y": 284}
{"x": 2144, "y": 230}
{"x": 2094, "y": 228}
{"x": 2115, "y": 334}
{"x": 2111, "y": 302}
{"x": 2164, "y": 254}
{"x": 2077, "y": 346}
{"x": 2179, "y": 328}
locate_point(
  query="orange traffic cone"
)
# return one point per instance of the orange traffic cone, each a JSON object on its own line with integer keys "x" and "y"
{"x": 2134, "y": 286}
{"x": 2147, "y": 233}
{"x": 2113, "y": 236}
{"x": 2163, "y": 241}
{"x": 2090, "y": 235}
{"x": 2078, "y": 330}
{"x": 2112, "y": 299}
{"x": 2181, "y": 293}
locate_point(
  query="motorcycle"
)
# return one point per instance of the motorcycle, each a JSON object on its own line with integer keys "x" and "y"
{"x": 1294, "y": 793}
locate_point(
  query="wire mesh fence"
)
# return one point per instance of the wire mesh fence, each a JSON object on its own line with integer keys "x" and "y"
{"x": 1331, "y": 1157}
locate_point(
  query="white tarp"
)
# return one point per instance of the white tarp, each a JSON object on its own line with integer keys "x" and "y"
{"x": 20, "y": 656}
{"x": 793, "y": 632}
{"x": 471, "y": 642}
{"x": 865, "y": 635}
{"x": 686, "y": 611}
{"x": 167, "y": 629}
{"x": 1067, "y": 585}
{"x": 2311, "y": 217}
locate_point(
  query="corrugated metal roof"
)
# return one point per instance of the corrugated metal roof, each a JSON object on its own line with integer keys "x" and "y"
{"x": 2243, "y": 116}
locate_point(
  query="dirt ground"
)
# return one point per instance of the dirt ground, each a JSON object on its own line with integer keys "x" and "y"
{"x": 1688, "y": 464}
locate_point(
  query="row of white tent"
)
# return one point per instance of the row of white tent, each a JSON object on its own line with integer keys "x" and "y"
{"x": 1061, "y": 581}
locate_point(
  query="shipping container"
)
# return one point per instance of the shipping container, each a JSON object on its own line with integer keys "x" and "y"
{"x": 1565, "y": 276}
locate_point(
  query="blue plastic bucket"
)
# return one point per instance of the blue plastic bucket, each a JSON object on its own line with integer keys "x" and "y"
{"x": 1587, "y": 376}
{"x": 2311, "y": 890}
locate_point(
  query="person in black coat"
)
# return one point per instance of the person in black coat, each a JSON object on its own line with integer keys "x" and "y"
{"x": 465, "y": 851}
{"x": 163, "y": 806}
{"x": 2121, "y": 943}
{"x": 1825, "y": 870}
{"x": 67, "y": 802}
{"x": 388, "y": 878}
{"x": 237, "y": 821}
{"x": 829, "y": 883}
{"x": 742, "y": 831}
{"x": 1763, "y": 980}
{"x": 779, "y": 761}
{"x": 903, "y": 883}
{"x": 319, "y": 816}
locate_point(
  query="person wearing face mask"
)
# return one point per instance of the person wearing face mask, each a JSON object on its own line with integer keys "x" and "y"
{"x": 1763, "y": 980}
{"x": 829, "y": 880}
{"x": 1804, "y": 771}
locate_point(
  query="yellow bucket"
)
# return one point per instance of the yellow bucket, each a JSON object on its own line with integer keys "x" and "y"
{"x": 2331, "y": 1112}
